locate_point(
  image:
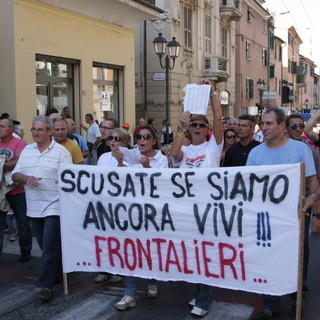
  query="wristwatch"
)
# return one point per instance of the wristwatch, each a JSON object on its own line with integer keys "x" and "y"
{"x": 180, "y": 129}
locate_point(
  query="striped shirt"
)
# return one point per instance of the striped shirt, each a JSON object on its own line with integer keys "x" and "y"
{"x": 43, "y": 200}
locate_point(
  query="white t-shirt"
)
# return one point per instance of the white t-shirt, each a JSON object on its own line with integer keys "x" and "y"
{"x": 108, "y": 160}
{"x": 204, "y": 155}
{"x": 158, "y": 161}
{"x": 93, "y": 133}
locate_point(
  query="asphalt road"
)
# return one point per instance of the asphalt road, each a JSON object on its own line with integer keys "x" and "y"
{"x": 88, "y": 300}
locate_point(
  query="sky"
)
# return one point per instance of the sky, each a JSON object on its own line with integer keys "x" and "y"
{"x": 304, "y": 16}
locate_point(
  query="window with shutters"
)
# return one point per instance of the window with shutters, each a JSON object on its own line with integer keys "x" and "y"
{"x": 272, "y": 69}
{"x": 208, "y": 34}
{"x": 224, "y": 42}
{"x": 187, "y": 23}
{"x": 249, "y": 88}
{"x": 264, "y": 57}
{"x": 248, "y": 50}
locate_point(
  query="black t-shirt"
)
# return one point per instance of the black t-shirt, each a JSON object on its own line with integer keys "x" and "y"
{"x": 102, "y": 148}
{"x": 237, "y": 155}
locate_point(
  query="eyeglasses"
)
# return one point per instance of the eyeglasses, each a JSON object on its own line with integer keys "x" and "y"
{"x": 197, "y": 124}
{"x": 105, "y": 128}
{"x": 231, "y": 136}
{"x": 296, "y": 125}
{"x": 115, "y": 138}
{"x": 38, "y": 130}
{"x": 145, "y": 136}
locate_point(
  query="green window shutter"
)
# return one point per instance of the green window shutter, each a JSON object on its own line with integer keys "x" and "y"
{"x": 272, "y": 71}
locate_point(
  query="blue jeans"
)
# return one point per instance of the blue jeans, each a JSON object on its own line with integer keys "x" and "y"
{"x": 12, "y": 223}
{"x": 2, "y": 227}
{"x": 92, "y": 158}
{"x": 130, "y": 285}
{"x": 47, "y": 231}
{"x": 204, "y": 296}
{"x": 19, "y": 208}
{"x": 272, "y": 303}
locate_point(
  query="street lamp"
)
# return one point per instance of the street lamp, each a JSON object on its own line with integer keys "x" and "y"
{"x": 261, "y": 85}
{"x": 160, "y": 45}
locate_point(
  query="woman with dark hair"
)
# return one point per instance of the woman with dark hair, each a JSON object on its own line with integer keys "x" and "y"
{"x": 151, "y": 124}
{"x": 230, "y": 138}
{"x": 150, "y": 158}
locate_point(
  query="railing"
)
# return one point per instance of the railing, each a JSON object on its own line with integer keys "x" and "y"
{"x": 231, "y": 3}
{"x": 215, "y": 65}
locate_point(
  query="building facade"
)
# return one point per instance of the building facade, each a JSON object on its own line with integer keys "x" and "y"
{"x": 59, "y": 53}
{"x": 206, "y": 31}
{"x": 254, "y": 46}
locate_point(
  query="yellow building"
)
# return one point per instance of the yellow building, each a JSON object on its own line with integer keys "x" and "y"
{"x": 75, "y": 53}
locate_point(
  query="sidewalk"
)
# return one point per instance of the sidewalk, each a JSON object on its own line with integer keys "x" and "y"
{"x": 89, "y": 300}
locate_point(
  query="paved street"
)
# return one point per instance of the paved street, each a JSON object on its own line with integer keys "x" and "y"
{"x": 88, "y": 300}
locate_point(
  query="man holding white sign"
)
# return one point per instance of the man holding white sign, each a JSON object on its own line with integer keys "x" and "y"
{"x": 278, "y": 149}
{"x": 200, "y": 154}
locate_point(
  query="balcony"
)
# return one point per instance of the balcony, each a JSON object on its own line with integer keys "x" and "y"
{"x": 230, "y": 9}
{"x": 215, "y": 67}
{"x": 301, "y": 81}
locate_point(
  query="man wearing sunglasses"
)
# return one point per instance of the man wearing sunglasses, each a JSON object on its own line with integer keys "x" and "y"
{"x": 278, "y": 149}
{"x": 202, "y": 153}
{"x": 237, "y": 154}
{"x": 295, "y": 126}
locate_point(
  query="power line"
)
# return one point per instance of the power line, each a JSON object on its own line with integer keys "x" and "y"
{"x": 293, "y": 19}
{"x": 307, "y": 14}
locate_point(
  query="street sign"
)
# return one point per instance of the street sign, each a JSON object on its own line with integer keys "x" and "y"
{"x": 269, "y": 95}
{"x": 157, "y": 76}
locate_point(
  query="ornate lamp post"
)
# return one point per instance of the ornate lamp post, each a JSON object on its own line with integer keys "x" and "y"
{"x": 261, "y": 85}
{"x": 160, "y": 45}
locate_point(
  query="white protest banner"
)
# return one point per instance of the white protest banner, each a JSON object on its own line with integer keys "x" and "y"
{"x": 234, "y": 228}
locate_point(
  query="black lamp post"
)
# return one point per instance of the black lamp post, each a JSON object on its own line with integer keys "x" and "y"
{"x": 261, "y": 85}
{"x": 160, "y": 44}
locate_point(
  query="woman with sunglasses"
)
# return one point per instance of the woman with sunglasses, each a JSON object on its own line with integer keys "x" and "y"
{"x": 201, "y": 153}
{"x": 150, "y": 158}
{"x": 230, "y": 138}
{"x": 118, "y": 138}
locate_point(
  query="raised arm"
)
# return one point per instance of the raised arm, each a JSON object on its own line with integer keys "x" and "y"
{"x": 308, "y": 130}
{"x": 216, "y": 111}
{"x": 176, "y": 152}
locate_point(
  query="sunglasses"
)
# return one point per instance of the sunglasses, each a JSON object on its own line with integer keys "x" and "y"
{"x": 231, "y": 136}
{"x": 105, "y": 128}
{"x": 197, "y": 124}
{"x": 296, "y": 125}
{"x": 145, "y": 136}
{"x": 115, "y": 138}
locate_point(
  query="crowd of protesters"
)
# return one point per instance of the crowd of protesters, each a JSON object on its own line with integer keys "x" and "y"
{"x": 31, "y": 194}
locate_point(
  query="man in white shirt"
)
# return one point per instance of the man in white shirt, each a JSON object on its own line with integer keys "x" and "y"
{"x": 37, "y": 169}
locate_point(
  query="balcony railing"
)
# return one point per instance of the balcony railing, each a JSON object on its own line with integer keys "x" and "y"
{"x": 216, "y": 67}
{"x": 231, "y": 9}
